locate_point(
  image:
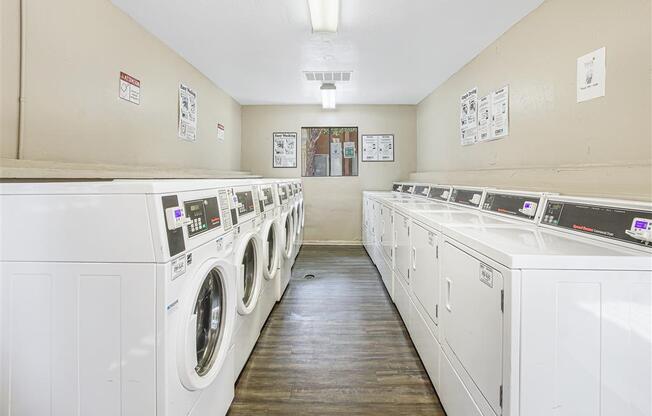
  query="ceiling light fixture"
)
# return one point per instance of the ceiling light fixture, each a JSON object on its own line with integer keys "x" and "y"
{"x": 328, "y": 96}
{"x": 324, "y": 15}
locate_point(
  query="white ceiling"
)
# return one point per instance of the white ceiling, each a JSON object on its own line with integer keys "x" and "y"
{"x": 399, "y": 50}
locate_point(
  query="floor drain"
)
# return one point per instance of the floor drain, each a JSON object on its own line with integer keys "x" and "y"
{"x": 309, "y": 276}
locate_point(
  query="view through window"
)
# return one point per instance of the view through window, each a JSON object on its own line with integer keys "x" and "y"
{"x": 329, "y": 151}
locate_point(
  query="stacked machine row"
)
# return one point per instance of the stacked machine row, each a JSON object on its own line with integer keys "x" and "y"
{"x": 138, "y": 297}
{"x": 520, "y": 303}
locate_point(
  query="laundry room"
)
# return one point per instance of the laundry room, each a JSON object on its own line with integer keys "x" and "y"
{"x": 326, "y": 207}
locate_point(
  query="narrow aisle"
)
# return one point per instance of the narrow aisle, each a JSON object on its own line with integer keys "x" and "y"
{"x": 335, "y": 345}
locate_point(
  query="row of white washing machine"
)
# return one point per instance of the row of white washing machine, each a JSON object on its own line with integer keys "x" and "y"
{"x": 520, "y": 303}
{"x": 134, "y": 297}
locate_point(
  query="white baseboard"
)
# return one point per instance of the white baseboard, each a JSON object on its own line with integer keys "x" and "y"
{"x": 331, "y": 243}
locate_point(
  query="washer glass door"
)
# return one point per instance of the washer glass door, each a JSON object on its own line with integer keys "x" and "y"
{"x": 249, "y": 272}
{"x": 271, "y": 248}
{"x": 209, "y": 309}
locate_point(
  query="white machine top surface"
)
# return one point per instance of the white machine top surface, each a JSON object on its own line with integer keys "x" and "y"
{"x": 121, "y": 186}
{"x": 436, "y": 219}
{"x": 525, "y": 247}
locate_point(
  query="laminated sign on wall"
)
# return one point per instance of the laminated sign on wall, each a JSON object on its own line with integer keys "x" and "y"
{"x": 187, "y": 113}
{"x": 377, "y": 147}
{"x": 500, "y": 113}
{"x": 284, "y": 150}
{"x": 591, "y": 75}
{"x": 469, "y": 117}
{"x": 129, "y": 88}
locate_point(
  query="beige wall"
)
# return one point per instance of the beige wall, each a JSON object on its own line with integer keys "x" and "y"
{"x": 333, "y": 205}
{"x": 601, "y": 147}
{"x": 75, "y": 50}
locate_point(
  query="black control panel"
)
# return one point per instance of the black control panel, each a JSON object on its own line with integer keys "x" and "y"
{"x": 283, "y": 193}
{"x": 602, "y": 221}
{"x": 407, "y": 189}
{"x": 468, "y": 197}
{"x": 245, "y": 202}
{"x": 268, "y": 197}
{"x": 204, "y": 215}
{"x": 396, "y": 187}
{"x": 521, "y": 206}
{"x": 421, "y": 190}
{"x": 440, "y": 193}
{"x": 175, "y": 237}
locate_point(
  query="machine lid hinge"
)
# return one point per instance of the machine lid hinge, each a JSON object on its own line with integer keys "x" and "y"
{"x": 502, "y": 300}
{"x": 500, "y": 396}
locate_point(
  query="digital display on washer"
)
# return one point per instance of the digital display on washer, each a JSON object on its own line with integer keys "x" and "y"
{"x": 204, "y": 215}
{"x": 521, "y": 206}
{"x": 469, "y": 197}
{"x": 396, "y": 187}
{"x": 421, "y": 190}
{"x": 440, "y": 193}
{"x": 407, "y": 189}
{"x": 268, "y": 196}
{"x": 282, "y": 193}
{"x": 245, "y": 202}
{"x": 603, "y": 221}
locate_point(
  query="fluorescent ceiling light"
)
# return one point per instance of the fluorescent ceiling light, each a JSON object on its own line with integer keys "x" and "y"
{"x": 327, "y": 96}
{"x": 324, "y": 15}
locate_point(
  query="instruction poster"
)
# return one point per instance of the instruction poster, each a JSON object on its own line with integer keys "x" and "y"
{"x": 220, "y": 132}
{"x": 377, "y": 147}
{"x": 469, "y": 117}
{"x": 484, "y": 118}
{"x": 591, "y": 75}
{"x": 284, "y": 150}
{"x": 129, "y": 88}
{"x": 187, "y": 113}
{"x": 500, "y": 113}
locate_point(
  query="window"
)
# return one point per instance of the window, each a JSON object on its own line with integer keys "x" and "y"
{"x": 329, "y": 151}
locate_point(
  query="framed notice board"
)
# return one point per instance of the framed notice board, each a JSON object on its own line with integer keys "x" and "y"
{"x": 377, "y": 147}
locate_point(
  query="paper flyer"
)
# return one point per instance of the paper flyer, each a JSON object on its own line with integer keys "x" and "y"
{"x": 187, "y": 113}
{"x": 377, "y": 147}
{"x": 469, "y": 117}
{"x": 285, "y": 150}
{"x": 220, "y": 132}
{"x": 500, "y": 113}
{"x": 484, "y": 118}
{"x": 591, "y": 75}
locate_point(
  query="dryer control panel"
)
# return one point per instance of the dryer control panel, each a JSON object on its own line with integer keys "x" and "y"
{"x": 520, "y": 206}
{"x": 611, "y": 222}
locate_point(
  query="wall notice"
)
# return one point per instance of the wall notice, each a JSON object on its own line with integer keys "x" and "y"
{"x": 500, "y": 113}
{"x": 377, "y": 147}
{"x": 349, "y": 150}
{"x": 484, "y": 118}
{"x": 469, "y": 117}
{"x": 129, "y": 88}
{"x": 187, "y": 113}
{"x": 220, "y": 132}
{"x": 284, "y": 150}
{"x": 591, "y": 75}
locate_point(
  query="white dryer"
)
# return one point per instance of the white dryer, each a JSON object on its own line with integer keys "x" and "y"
{"x": 288, "y": 237}
{"x": 549, "y": 320}
{"x": 272, "y": 237}
{"x": 249, "y": 259}
{"x": 117, "y": 297}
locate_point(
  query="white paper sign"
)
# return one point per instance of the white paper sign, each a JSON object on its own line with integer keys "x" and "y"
{"x": 500, "y": 113}
{"x": 220, "y": 132}
{"x": 336, "y": 159}
{"x": 129, "y": 88}
{"x": 469, "y": 117}
{"x": 187, "y": 113}
{"x": 591, "y": 75}
{"x": 484, "y": 118}
{"x": 377, "y": 147}
{"x": 285, "y": 150}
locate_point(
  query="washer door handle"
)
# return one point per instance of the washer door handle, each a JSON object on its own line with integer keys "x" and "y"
{"x": 449, "y": 306}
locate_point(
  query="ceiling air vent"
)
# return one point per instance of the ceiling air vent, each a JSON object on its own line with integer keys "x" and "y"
{"x": 328, "y": 76}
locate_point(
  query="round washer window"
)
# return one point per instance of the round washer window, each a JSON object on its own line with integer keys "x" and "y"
{"x": 249, "y": 266}
{"x": 209, "y": 309}
{"x": 271, "y": 247}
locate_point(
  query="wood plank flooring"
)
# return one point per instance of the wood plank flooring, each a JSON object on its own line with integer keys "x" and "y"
{"x": 335, "y": 345}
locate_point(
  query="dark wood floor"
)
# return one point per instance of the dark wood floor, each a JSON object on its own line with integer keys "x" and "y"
{"x": 335, "y": 345}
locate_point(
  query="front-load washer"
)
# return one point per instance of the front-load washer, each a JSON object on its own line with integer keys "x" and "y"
{"x": 118, "y": 297}
{"x": 298, "y": 218}
{"x": 288, "y": 236}
{"x": 248, "y": 257}
{"x": 271, "y": 235}
{"x": 549, "y": 320}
